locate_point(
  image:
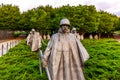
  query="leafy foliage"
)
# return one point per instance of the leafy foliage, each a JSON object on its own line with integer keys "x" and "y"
{"x": 106, "y": 23}
{"x": 46, "y": 19}
{"x": 9, "y": 17}
{"x": 18, "y": 33}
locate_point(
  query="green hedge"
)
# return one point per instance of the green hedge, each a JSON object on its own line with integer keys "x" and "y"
{"x": 18, "y": 33}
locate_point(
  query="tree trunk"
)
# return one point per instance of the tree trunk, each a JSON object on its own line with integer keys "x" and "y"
{"x": 108, "y": 35}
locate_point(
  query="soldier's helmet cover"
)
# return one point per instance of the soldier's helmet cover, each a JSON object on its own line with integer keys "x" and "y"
{"x": 73, "y": 29}
{"x": 33, "y": 30}
{"x": 65, "y": 21}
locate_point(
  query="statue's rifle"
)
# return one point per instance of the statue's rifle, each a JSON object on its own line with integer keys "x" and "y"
{"x": 46, "y": 68}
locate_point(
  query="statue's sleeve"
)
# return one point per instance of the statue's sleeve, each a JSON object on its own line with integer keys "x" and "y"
{"x": 84, "y": 54}
{"x": 48, "y": 49}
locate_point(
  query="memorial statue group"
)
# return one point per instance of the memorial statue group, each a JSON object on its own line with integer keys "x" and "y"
{"x": 64, "y": 55}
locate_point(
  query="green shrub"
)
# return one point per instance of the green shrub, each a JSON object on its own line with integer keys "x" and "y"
{"x": 104, "y": 59}
{"x": 18, "y": 33}
{"x": 21, "y": 64}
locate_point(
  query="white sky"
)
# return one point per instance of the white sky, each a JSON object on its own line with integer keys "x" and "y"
{"x": 112, "y": 6}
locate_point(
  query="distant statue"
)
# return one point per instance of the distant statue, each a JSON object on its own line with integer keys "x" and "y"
{"x": 74, "y": 31}
{"x": 65, "y": 55}
{"x": 48, "y": 37}
{"x": 90, "y": 36}
{"x": 96, "y": 36}
{"x": 34, "y": 40}
{"x": 28, "y": 39}
{"x": 44, "y": 37}
{"x": 81, "y": 37}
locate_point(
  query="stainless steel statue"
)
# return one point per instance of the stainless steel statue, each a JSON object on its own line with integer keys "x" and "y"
{"x": 65, "y": 55}
{"x": 74, "y": 31}
{"x": 34, "y": 40}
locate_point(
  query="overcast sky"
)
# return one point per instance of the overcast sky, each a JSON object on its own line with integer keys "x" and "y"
{"x": 112, "y": 6}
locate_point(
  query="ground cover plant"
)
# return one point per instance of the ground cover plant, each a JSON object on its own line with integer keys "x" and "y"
{"x": 22, "y": 64}
{"x": 104, "y": 62}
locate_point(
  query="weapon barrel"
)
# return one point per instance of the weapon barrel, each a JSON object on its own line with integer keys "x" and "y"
{"x": 46, "y": 68}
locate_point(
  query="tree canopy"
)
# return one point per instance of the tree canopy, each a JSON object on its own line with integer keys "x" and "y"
{"x": 46, "y": 19}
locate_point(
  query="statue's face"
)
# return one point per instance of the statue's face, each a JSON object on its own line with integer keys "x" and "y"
{"x": 33, "y": 32}
{"x": 65, "y": 28}
{"x": 74, "y": 31}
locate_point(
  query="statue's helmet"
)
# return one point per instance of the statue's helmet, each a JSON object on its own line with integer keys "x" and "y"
{"x": 65, "y": 21}
{"x": 33, "y": 30}
{"x": 73, "y": 29}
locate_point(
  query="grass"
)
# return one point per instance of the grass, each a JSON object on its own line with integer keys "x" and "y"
{"x": 104, "y": 63}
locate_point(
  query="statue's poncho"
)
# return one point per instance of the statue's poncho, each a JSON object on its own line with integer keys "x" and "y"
{"x": 65, "y": 56}
{"x": 28, "y": 39}
{"x": 77, "y": 35}
{"x": 35, "y": 40}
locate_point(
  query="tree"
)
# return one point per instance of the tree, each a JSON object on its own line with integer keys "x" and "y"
{"x": 85, "y": 19}
{"x": 106, "y": 24}
{"x": 34, "y": 18}
{"x": 117, "y": 24}
{"x": 9, "y": 17}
